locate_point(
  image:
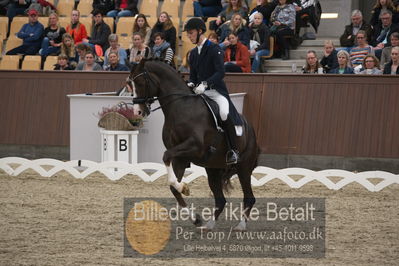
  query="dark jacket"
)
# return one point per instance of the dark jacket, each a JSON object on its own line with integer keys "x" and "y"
{"x": 68, "y": 67}
{"x": 266, "y": 10}
{"x": 103, "y": 5}
{"x": 330, "y": 62}
{"x": 100, "y": 34}
{"x": 387, "y": 69}
{"x": 349, "y": 32}
{"x": 377, "y": 32}
{"x": 118, "y": 67}
{"x": 264, "y": 35}
{"x": 375, "y": 18}
{"x": 210, "y": 2}
{"x": 209, "y": 66}
{"x": 243, "y": 34}
{"x": 348, "y": 70}
{"x": 131, "y": 5}
{"x": 170, "y": 35}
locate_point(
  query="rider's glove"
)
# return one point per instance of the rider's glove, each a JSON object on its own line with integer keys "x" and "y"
{"x": 201, "y": 88}
{"x": 190, "y": 84}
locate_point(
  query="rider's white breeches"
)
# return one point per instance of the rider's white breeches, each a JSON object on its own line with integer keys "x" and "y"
{"x": 221, "y": 101}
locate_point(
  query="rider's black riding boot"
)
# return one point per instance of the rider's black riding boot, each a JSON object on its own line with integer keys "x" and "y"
{"x": 230, "y": 131}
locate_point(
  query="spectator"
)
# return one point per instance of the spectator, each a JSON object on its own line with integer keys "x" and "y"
{"x": 382, "y": 33}
{"x": 312, "y": 64}
{"x": 233, "y": 7}
{"x": 235, "y": 25}
{"x": 329, "y": 60}
{"x": 348, "y": 38}
{"x": 115, "y": 47}
{"x": 236, "y": 56}
{"x": 371, "y": 66}
{"x": 260, "y": 36}
{"x": 358, "y": 53}
{"x": 141, "y": 25}
{"x": 81, "y": 50}
{"x": 165, "y": 25}
{"x": 16, "y": 7}
{"x": 114, "y": 64}
{"x": 104, "y": 6}
{"x": 207, "y": 8}
{"x": 52, "y": 36}
{"x": 393, "y": 66}
{"x": 162, "y": 49}
{"x": 62, "y": 63}
{"x": 304, "y": 10}
{"x": 213, "y": 37}
{"x": 124, "y": 8}
{"x": 344, "y": 64}
{"x": 139, "y": 49}
{"x": 3, "y": 7}
{"x": 76, "y": 29}
{"x": 265, "y": 8}
{"x": 68, "y": 48}
{"x": 99, "y": 34}
{"x": 283, "y": 20}
{"x": 386, "y": 52}
{"x": 383, "y": 5}
{"x": 31, "y": 33}
{"x": 89, "y": 63}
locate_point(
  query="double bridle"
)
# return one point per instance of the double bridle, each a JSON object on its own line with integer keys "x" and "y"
{"x": 147, "y": 100}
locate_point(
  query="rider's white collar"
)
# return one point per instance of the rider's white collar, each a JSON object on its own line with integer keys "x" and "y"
{"x": 201, "y": 45}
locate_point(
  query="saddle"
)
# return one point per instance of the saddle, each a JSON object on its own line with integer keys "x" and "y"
{"x": 214, "y": 109}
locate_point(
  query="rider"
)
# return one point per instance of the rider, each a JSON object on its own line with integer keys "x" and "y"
{"x": 206, "y": 76}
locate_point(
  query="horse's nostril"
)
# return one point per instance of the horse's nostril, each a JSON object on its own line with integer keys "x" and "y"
{"x": 140, "y": 112}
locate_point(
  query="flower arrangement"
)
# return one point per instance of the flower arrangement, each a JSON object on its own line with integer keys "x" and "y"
{"x": 119, "y": 117}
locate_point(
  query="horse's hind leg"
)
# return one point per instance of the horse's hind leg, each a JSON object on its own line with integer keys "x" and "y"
{"x": 215, "y": 182}
{"x": 244, "y": 175}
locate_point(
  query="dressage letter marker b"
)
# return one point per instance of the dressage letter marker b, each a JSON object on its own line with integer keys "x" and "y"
{"x": 119, "y": 146}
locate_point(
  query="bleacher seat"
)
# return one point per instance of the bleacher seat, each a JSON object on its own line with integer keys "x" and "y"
{"x": 252, "y": 5}
{"x": 85, "y": 7}
{"x": 43, "y": 21}
{"x": 50, "y": 62}
{"x": 188, "y": 9}
{"x": 65, "y": 7}
{"x": 31, "y": 62}
{"x": 3, "y": 27}
{"x": 125, "y": 41}
{"x": 64, "y": 21}
{"x": 13, "y": 42}
{"x": 149, "y": 8}
{"x": 110, "y": 22}
{"x": 124, "y": 26}
{"x": 151, "y": 21}
{"x": 17, "y": 24}
{"x": 9, "y": 62}
{"x": 171, "y": 7}
{"x": 88, "y": 22}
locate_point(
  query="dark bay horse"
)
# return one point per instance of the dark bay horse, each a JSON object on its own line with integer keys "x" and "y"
{"x": 190, "y": 136}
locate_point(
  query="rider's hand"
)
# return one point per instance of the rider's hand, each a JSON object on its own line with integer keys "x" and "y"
{"x": 190, "y": 85}
{"x": 200, "y": 89}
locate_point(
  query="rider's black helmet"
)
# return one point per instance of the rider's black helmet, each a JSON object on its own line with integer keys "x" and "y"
{"x": 195, "y": 24}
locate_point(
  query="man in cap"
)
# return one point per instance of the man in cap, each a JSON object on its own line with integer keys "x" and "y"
{"x": 31, "y": 33}
{"x": 206, "y": 76}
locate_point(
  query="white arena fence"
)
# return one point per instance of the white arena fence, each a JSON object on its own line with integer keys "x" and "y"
{"x": 150, "y": 172}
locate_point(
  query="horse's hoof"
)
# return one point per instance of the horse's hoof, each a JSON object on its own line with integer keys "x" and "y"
{"x": 185, "y": 190}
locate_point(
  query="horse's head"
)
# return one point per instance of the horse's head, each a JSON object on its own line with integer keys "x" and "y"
{"x": 143, "y": 87}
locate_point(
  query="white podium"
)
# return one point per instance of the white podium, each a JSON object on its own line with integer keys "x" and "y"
{"x": 85, "y": 137}
{"x": 119, "y": 146}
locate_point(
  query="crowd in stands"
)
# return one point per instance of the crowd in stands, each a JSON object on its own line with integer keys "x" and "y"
{"x": 244, "y": 29}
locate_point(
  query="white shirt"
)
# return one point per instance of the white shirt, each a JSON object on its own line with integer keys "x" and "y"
{"x": 201, "y": 45}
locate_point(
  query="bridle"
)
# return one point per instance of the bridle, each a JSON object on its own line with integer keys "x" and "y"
{"x": 147, "y": 100}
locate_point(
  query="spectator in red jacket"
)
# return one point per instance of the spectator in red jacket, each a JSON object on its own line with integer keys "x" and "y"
{"x": 236, "y": 56}
{"x": 76, "y": 29}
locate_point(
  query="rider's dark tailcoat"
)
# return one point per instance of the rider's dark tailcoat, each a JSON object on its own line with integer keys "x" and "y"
{"x": 209, "y": 66}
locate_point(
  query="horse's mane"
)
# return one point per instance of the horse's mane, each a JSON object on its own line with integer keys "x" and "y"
{"x": 164, "y": 66}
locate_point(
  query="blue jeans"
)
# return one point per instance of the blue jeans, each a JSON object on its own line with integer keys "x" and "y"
{"x": 47, "y": 49}
{"x": 117, "y": 13}
{"x": 256, "y": 62}
{"x": 206, "y": 11}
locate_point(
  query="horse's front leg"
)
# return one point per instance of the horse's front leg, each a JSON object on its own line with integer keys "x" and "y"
{"x": 188, "y": 148}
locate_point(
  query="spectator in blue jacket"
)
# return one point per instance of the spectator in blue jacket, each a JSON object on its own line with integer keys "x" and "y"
{"x": 32, "y": 34}
{"x": 344, "y": 64}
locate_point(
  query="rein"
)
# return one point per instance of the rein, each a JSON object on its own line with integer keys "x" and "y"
{"x": 150, "y": 100}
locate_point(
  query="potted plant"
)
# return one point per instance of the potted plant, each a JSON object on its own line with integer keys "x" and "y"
{"x": 121, "y": 117}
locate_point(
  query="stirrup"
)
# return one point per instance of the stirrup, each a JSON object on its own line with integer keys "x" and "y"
{"x": 232, "y": 157}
